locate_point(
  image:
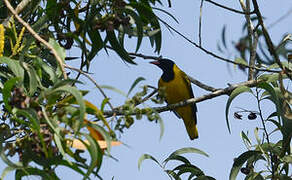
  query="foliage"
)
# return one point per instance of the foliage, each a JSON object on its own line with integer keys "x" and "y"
{"x": 43, "y": 113}
{"x": 185, "y": 167}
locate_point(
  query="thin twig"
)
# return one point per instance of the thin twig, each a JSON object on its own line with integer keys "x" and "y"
{"x": 230, "y": 9}
{"x": 202, "y": 85}
{"x": 92, "y": 80}
{"x": 200, "y": 23}
{"x": 213, "y": 54}
{"x": 36, "y": 36}
{"x": 225, "y": 91}
{"x": 252, "y": 38}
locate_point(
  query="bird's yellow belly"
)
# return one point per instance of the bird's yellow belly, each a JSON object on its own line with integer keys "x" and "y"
{"x": 175, "y": 90}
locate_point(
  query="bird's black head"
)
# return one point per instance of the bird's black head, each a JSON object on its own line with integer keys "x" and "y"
{"x": 167, "y": 68}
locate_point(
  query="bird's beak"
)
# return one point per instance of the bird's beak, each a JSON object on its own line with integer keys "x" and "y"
{"x": 155, "y": 62}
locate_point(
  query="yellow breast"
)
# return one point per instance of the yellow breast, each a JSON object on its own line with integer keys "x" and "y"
{"x": 177, "y": 89}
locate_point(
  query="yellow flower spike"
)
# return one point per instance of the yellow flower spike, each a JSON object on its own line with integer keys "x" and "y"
{"x": 2, "y": 38}
{"x": 18, "y": 41}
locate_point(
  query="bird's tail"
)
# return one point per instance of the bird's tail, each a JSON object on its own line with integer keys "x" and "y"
{"x": 190, "y": 120}
{"x": 192, "y": 130}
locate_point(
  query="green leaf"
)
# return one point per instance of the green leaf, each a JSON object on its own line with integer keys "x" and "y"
{"x": 245, "y": 138}
{"x": 6, "y": 92}
{"x": 146, "y": 12}
{"x": 104, "y": 134}
{"x": 173, "y": 174}
{"x": 103, "y": 103}
{"x": 139, "y": 79}
{"x": 270, "y": 90}
{"x": 188, "y": 150}
{"x": 96, "y": 41}
{"x": 240, "y": 61}
{"x": 73, "y": 166}
{"x": 34, "y": 81}
{"x": 144, "y": 157}
{"x": 223, "y": 37}
{"x": 204, "y": 178}
{"x": 188, "y": 168}
{"x": 161, "y": 125}
{"x": 59, "y": 145}
{"x": 239, "y": 161}
{"x": 139, "y": 26}
{"x": 235, "y": 92}
{"x": 166, "y": 12}
{"x": 118, "y": 48}
{"x": 78, "y": 96}
{"x": 48, "y": 69}
{"x": 14, "y": 66}
{"x": 95, "y": 154}
{"x": 177, "y": 158}
{"x": 60, "y": 51}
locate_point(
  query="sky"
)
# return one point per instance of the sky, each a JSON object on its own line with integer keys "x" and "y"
{"x": 214, "y": 138}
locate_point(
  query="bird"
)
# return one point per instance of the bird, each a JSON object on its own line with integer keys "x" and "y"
{"x": 177, "y": 87}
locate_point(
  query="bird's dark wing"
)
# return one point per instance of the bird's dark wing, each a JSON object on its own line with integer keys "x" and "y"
{"x": 188, "y": 82}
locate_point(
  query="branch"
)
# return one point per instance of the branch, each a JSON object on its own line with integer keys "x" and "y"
{"x": 267, "y": 37}
{"x": 200, "y": 23}
{"x": 229, "y": 9}
{"x": 213, "y": 54}
{"x": 225, "y": 91}
{"x": 36, "y": 36}
{"x": 252, "y": 38}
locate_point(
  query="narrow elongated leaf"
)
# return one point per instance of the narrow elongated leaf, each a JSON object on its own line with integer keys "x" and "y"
{"x": 161, "y": 125}
{"x": 48, "y": 69}
{"x": 34, "y": 81}
{"x": 240, "y": 61}
{"x": 139, "y": 79}
{"x": 144, "y": 157}
{"x": 95, "y": 154}
{"x": 146, "y": 12}
{"x": 139, "y": 26}
{"x": 59, "y": 145}
{"x": 245, "y": 138}
{"x": 238, "y": 162}
{"x": 234, "y": 93}
{"x": 223, "y": 36}
{"x": 97, "y": 43}
{"x": 173, "y": 174}
{"x": 118, "y": 48}
{"x": 100, "y": 130}
{"x": 6, "y": 92}
{"x": 61, "y": 51}
{"x": 177, "y": 158}
{"x": 204, "y": 178}
{"x": 78, "y": 96}
{"x": 14, "y": 66}
{"x": 188, "y": 168}
{"x": 166, "y": 12}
